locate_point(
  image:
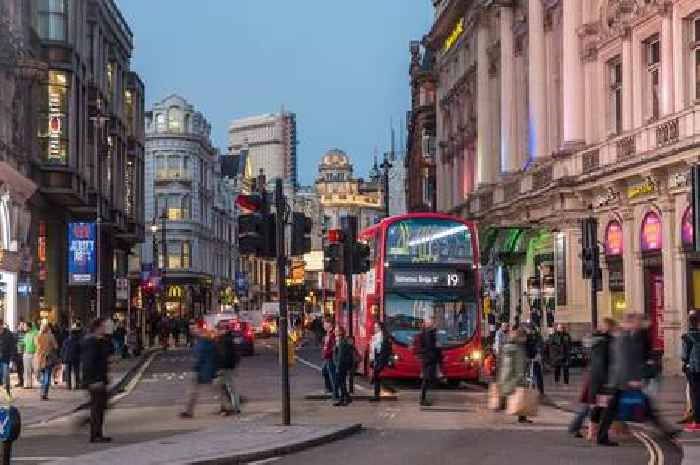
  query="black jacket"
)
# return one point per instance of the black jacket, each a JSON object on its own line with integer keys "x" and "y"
{"x": 8, "y": 346}
{"x": 95, "y": 359}
{"x": 227, "y": 354}
{"x": 344, "y": 355}
{"x": 70, "y": 352}
{"x": 601, "y": 359}
{"x": 559, "y": 348}
{"x": 691, "y": 351}
{"x": 430, "y": 354}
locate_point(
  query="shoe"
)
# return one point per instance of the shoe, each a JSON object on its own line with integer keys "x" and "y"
{"x": 339, "y": 403}
{"x": 608, "y": 443}
{"x": 100, "y": 440}
{"x": 19, "y": 385}
{"x": 577, "y": 434}
{"x": 348, "y": 401}
{"x": 425, "y": 403}
{"x": 185, "y": 415}
{"x": 44, "y": 397}
{"x": 692, "y": 427}
{"x": 524, "y": 421}
{"x": 226, "y": 413}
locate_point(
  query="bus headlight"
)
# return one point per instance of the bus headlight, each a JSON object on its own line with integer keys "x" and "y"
{"x": 476, "y": 355}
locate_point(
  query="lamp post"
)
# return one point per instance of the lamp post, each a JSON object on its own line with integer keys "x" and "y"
{"x": 98, "y": 120}
{"x": 164, "y": 250}
{"x": 386, "y": 165}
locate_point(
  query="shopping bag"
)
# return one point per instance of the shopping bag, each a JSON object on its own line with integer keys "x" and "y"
{"x": 632, "y": 406}
{"x": 523, "y": 402}
{"x": 494, "y": 397}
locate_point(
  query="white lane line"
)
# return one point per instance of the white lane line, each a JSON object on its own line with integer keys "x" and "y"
{"x": 262, "y": 462}
{"x": 37, "y": 459}
{"x": 134, "y": 381}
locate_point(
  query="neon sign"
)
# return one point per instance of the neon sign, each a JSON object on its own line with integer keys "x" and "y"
{"x": 613, "y": 239}
{"x": 687, "y": 228}
{"x": 454, "y": 35}
{"x": 651, "y": 232}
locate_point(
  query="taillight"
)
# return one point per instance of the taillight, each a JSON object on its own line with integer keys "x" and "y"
{"x": 249, "y": 333}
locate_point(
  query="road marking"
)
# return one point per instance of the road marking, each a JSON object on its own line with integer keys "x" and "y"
{"x": 134, "y": 381}
{"x": 37, "y": 459}
{"x": 656, "y": 456}
{"x": 261, "y": 462}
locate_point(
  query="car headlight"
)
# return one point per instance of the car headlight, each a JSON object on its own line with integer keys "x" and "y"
{"x": 476, "y": 355}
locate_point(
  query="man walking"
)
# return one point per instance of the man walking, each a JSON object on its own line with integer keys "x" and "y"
{"x": 70, "y": 354}
{"x": 534, "y": 346}
{"x": 343, "y": 359}
{"x": 691, "y": 367}
{"x": 8, "y": 350}
{"x": 560, "y": 353}
{"x": 328, "y": 367}
{"x": 431, "y": 356}
{"x": 19, "y": 353}
{"x": 95, "y": 356}
{"x": 228, "y": 361}
{"x": 28, "y": 357}
{"x": 205, "y": 369}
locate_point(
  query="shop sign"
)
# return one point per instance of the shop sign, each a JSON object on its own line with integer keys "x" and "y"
{"x": 454, "y": 35}
{"x": 616, "y": 280}
{"x": 687, "y": 227}
{"x": 241, "y": 283}
{"x": 175, "y": 292}
{"x": 647, "y": 187}
{"x": 613, "y": 239}
{"x": 651, "y": 232}
{"x": 81, "y": 254}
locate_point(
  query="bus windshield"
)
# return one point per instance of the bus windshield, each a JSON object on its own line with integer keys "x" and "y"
{"x": 428, "y": 240}
{"x": 454, "y": 317}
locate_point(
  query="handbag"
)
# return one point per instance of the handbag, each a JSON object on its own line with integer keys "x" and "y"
{"x": 51, "y": 358}
{"x": 523, "y": 402}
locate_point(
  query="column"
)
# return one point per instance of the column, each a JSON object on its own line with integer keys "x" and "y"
{"x": 631, "y": 261}
{"x": 573, "y": 76}
{"x": 627, "y": 83}
{"x": 485, "y": 173}
{"x": 667, "y": 64}
{"x": 671, "y": 325}
{"x": 537, "y": 85}
{"x": 509, "y": 153}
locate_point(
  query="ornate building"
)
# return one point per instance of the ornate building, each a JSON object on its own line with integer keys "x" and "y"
{"x": 554, "y": 110}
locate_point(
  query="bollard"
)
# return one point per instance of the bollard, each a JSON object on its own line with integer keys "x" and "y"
{"x": 10, "y": 428}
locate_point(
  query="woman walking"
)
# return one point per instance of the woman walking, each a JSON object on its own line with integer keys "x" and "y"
{"x": 45, "y": 358}
{"x": 691, "y": 367}
{"x": 512, "y": 375}
{"x": 380, "y": 356}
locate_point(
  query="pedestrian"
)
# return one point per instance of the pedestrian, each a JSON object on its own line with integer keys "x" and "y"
{"x": 597, "y": 379}
{"x": 228, "y": 361}
{"x": 560, "y": 353}
{"x": 630, "y": 356}
{"x": 430, "y": 355}
{"x": 119, "y": 340}
{"x": 205, "y": 369}
{"x": 29, "y": 353}
{"x": 512, "y": 367}
{"x": 691, "y": 368}
{"x": 188, "y": 332}
{"x": 60, "y": 335}
{"x": 344, "y": 360}
{"x": 534, "y": 348}
{"x": 501, "y": 338}
{"x": 94, "y": 352}
{"x": 70, "y": 354}
{"x": 175, "y": 332}
{"x": 328, "y": 368}
{"x": 19, "y": 353}
{"x": 165, "y": 333}
{"x": 8, "y": 351}
{"x": 45, "y": 358}
{"x": 380, "y": 356}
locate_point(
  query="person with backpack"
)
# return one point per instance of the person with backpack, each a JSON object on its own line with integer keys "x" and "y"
{"x": 344, "y": 361}
{"x": 228, "y": 359}
{"x": 691, "y": 368}
{"x": 425, "y": 347}
{"x": 380, "y": 356}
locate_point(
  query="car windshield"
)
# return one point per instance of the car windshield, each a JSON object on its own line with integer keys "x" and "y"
{"x": 454, "y": 317}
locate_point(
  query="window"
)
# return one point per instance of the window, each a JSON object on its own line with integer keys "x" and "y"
{"x": 110, "y": 78}
{"x": 174, "y": 207}
{"x": 695, "y": 57}
{"x": 186, "y": 254}
{"x": 53, "y": 120}
{"x": 173, "y": 121}
{"x": 615, "y": 95}
{"x": 129, "y": 110}
{"x": 173, "y": 167}
{"x": 174, "y": 255}
{"x": 52, "y": 19}
{"x": 653, "y": 60}
{"x": 160, "y": 122}
{"x": 186, "y": 206}
{"x": 161, "y": 168}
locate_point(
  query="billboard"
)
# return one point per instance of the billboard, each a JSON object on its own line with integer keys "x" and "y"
{"x": 81, "y": 254}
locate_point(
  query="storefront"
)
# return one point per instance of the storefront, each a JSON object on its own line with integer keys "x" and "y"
{"x": 651, "y": 244}
{"x": 614, "y": 248}
{"x": 692, "y": 261}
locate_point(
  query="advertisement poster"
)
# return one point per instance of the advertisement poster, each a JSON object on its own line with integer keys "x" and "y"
{"x": 81, "y": 254}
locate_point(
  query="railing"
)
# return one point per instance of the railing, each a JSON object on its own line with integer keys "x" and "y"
{"x": 591, "y": 161}
{"x": 667, "y": 133}
{"x": 542, "y": 178}
{"x": 626, "y": 147}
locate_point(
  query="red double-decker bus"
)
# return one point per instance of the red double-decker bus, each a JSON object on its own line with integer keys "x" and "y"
{"x": 423, "y": 267}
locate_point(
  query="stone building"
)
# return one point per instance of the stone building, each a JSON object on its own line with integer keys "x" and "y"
{"x": 552, "y": 111}
{"x": 185, "y": 190}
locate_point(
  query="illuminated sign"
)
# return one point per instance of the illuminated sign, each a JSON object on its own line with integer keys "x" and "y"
{"x": 647, "y": 187}
{"x": 687, "y": 227}
{"x": 454, "y": 35}
{"x": 81, "y": 254}
{"x": 429, "y": 279}
{"x": 613, "y": 239}
{"x": 651, "y": 232}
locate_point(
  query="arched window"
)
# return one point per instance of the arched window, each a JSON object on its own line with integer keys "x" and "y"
{"x": 613, "y": 239}
{"x": 651, "y": 238}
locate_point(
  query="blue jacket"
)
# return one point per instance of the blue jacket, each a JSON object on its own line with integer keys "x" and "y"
{"x": 691, "y": 351}
{"x": 205, "y": 360}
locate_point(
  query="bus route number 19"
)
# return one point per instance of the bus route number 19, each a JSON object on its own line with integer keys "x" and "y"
{"x": 453, "y": 280}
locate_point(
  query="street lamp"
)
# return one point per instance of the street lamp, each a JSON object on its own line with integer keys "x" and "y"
{"x": 386, "y": 166}
{"x": 99, "y": 120}
{"x": 156, "y": 263}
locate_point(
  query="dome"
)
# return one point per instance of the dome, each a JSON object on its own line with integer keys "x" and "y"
{"x": 335, "y": 159}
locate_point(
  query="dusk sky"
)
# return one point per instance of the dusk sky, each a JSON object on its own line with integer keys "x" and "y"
{"x": 341, "y": 66}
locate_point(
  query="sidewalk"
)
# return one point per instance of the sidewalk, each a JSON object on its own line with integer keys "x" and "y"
{"x": 62, "y": 401}
{"x": 670, "y": 403}
{"x": 228, "y": 443}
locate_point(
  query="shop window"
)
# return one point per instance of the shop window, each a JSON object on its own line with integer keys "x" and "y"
{"x": 652, "y": 49}
{"x": 613, "y": 239}
{"x": 53, "y": 120}
{"x": 687, "y": 228}
{"x": 52, "y": 19}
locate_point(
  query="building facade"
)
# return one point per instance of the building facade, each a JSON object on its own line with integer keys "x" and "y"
{"x": 271, "y": 143}
{"x": 89, "y": 132}
{"x": 608, "y": 131}
{"x": 186, "y": 193}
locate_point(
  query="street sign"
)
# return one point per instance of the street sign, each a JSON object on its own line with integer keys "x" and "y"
{"x": 122, "y": 288}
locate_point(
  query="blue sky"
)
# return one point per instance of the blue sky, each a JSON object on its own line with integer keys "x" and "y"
{"x": 341, "y": 66}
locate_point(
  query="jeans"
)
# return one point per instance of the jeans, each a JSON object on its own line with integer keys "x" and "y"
{"x": 28, "y": 370}
{"x": 5, "y": 375}
{"x": 341, "y": 383}
{"x": 70, "y": 372}
{"x": 429, "y": 376}
{"x": 694, "y": 384}
{"x": 98, "y": 405}
{"x": 46, "y": 380}
{"x": 328, "y": 372}
{"x": 537, "y": 376}
{"x": 577, "y": 423}
{"x": 610, "y": 413}
{"x": 558, "y": 370}
{"x": 230, "y": 400}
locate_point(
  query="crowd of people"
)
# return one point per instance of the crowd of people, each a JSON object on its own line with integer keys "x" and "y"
{"x": 167, "y": 331}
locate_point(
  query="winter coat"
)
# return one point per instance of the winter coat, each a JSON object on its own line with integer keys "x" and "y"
{"x": 534, "y": 346}
{"x": 629, "y": 358}
{"x": 691, "y": 351}
{"x": 228, "y": 355}
{"x": 601, "y": 358}
{"x": 205, "y": 361}
{"x": 30, "y": 341}
{"x": 8, "y": 346}
{"x": 512, "y": 372}
{"x": 430, "y": 353}
{"x": 94, "y": 357}
{"x": 344, "y": 355}
{"x": 70, "y": 352}
{"x": 559, "y": 348}
{"x": 328, "y": 346}
{"x": 46, "y": 346}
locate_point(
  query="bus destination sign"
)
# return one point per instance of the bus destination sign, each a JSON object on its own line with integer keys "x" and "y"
{"x": 426, "y": 279}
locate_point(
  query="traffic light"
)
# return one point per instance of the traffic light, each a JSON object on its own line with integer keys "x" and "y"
{"x": 333, "y": 258}
{"x": 360, "y": 258}
{"x": 256, "y": 235}
{"x": 301, "y": 234}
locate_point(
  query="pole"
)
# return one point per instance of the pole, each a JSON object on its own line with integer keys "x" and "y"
{"x": 349, "y": 224}
{"x": 164, "y": 248}
{"x": 98, "y": 222}
{"x": 280, "y": 209}
{"x": 594, "y": 289}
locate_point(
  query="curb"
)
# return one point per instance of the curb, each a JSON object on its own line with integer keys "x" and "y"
{"x": 389, "y": 397}
{"x": 282, "y": 450}
{"x": 115, "y": 389}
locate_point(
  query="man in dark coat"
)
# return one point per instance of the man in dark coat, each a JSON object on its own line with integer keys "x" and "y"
{"x": 205, "y": 368}
{"x": 344, "y": 361}
{"x": 430, "y": 356}
{"x": 560, "y": 353}
{"x": 8, "y": 350}
{"x": 94, "y": 353}
{"x": 70, "y": 354}
{"x": 228, "y": 361}
{"x": 691, "y": 368}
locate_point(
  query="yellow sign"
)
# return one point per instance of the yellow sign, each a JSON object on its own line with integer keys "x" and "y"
{"x": 647, "y": 187}
{"x": 175, "y": 291}
{"x": 454, "y": 35}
